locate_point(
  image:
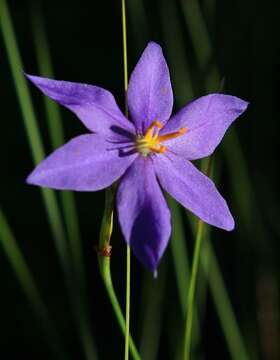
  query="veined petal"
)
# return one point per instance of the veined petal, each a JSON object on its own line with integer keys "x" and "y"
{"x": 150, "y": 94}
{"x": 206, "y": 120}
{"x": 85, "y": 163}
{"x": 94, "y": 106}
{"x": 194, "y": 190}
{"x": 143, "y": 213}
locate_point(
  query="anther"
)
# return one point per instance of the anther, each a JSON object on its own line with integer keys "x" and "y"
{"x": 158, "y": 149}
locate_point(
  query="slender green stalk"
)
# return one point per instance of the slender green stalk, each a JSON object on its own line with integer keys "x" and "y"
{"x": 105, "y": 237}
{"x": 127, "y": 310}
{"x": 32, "y": 130}
{"x": 29, "y": 287}
{"x": 104, "y": 253}
{"x": 191, "y": 292}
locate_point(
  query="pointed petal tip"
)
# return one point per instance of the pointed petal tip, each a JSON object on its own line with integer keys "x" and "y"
{"x": 32, "y": 179}
{"x": 29, "y": 76}
{"x": 228, "y": 223}
{"x": 154, "y": 45}
{"x": 243, "y": 104}
{"x": 230, "y": 226}
{"x": 150, "y": 94}
{"x": 36, "y": 80}
{"x": 239, "y": 103}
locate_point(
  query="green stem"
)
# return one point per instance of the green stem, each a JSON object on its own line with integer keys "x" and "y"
{"x": 190, "y": 300}
{"x": 104, "y": 265}
{"x": 127, "y": 309}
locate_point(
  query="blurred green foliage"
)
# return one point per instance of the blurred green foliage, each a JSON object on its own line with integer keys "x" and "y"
{"x": 207, "y": 43}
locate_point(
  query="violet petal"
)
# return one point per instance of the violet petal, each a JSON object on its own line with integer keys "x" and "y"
{"x": 94, "y": 106}
{"x": 85, "y": 163}
{"x": 143, "y": 213}
{"x": 206, "y": 120}
{"x": 194, "y": 190}
{"x": 150, "y": 94}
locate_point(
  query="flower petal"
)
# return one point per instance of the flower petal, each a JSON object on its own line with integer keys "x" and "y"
{"x": 86, "y": 163}
{"x": 193, "y": 190}
{"x": 206, "y": 120}
{"x": 94, "y": 106}
{"x": 150, "y": 94}
{"x": 143, "y": 213}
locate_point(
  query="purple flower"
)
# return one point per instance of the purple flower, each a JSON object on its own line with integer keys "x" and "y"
{"x": 150, "y": 151}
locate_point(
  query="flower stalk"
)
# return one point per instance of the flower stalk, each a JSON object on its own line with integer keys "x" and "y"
{"x": 127, "y": 310}
{"x": 104, "y": 261}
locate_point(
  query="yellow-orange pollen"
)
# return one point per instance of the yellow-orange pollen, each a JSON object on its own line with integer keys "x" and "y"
{"x": 151, "y": 141}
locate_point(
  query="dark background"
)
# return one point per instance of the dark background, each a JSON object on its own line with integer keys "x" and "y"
{"x": 86, "y": 46}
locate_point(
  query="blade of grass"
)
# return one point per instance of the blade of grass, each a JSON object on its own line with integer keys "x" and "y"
{"x": 241, "y": 184}
{"x": 182, "y": 68}
{"x": 193, "y": 281}
{"x": 32, "y": 130}
{"x": 37, "y": 152}
{"x": 152, "y": 300}
{"x": 223, "y": 305}
{"x": 137, "y": 11}
{"x": 81, "y": 310}
{"x": 191, "y": 292}
{"x": 29, "y": 287}
{"x": 57, "y": 139}
{"x": 178, "y": 64}
{"x": 201, "y": 43}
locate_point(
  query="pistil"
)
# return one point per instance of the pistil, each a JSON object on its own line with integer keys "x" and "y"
{"x": 151, "y": 141}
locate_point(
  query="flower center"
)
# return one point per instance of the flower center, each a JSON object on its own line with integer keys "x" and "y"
{"x": 151, "y": 141}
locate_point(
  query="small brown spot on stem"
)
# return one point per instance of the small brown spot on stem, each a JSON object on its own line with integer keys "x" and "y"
{"x": 106, "y": 250}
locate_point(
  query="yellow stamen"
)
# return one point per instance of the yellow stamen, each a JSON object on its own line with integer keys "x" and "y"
{"x": 173, "y": 135}
{"x": 151, "y": 141}
{"x": 150, "y": 131}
